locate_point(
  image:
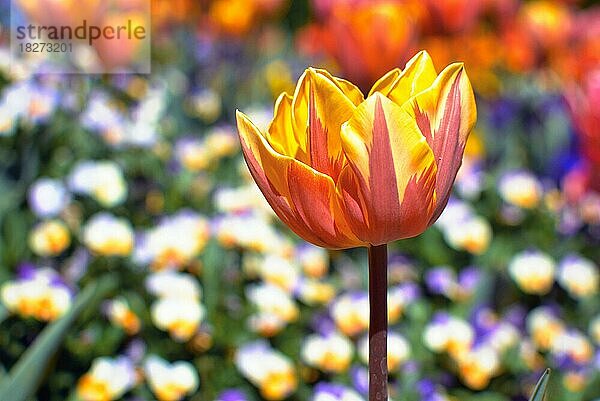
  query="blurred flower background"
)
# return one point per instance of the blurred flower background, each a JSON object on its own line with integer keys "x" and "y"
{"x": 136, "y": 246}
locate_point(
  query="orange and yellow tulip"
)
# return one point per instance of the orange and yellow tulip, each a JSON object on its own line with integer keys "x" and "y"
{"x": 343, "y": 171}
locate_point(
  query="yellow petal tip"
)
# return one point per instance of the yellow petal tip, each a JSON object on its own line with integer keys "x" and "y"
{"x": 239, "y": 114}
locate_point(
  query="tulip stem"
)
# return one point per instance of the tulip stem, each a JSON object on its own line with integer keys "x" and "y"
{"x": 378, "y": 372}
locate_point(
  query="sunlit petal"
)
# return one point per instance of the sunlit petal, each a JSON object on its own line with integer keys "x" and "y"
{"x": 418, "y": 75}
{"x": 389, "y": 190}
{"x": 445, "y": 114}
{"x": 319, "y": 109}
{"x": 302, "y": 197}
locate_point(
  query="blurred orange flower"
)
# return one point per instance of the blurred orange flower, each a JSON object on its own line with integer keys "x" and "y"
{"x": 478, "y": 50}
{"x": 548, "y": 22}
{"x": 67, "y": 12}
{"x": 238, "y": 17}
{"x": 581, "y": 54}
{"x": 452, "y": 16}
{"x": 365, "y": 39}
{"x": 583, "y": 103}
{"x": 174, "y": 11}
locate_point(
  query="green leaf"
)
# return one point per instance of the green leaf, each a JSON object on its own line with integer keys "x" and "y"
{"x": 212, "y": 262}
{"x": 3, "y": 313}
{"x": 540, "y": 388}
{"x": 26, "y": 375}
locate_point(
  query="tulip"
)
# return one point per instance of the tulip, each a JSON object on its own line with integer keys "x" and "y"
{"x": 238, "y": 17}
{"x": 584, "y": 48}
{"x": 548, "y": 22}
{"x": 365, "y": 38}
{"x": 583, "y": 100}
{"x": 453, "y": 16}
{"x": 343, "y": 171}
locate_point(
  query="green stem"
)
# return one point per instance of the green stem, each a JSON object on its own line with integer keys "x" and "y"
{"x": 378, "y": 372}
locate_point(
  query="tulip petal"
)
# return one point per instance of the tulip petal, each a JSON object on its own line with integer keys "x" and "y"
{"x": 315, "y": 201}
{"x": 418, "y": 75}
{"x": 269, "y": 171}
{"x": 446, "y": 114}
{"x": 350, "y": 90}
{"x": 280, "y": 132}
{"x": 386, "y": 83}
{"x": 319, "y": 109}
{"x": 304, "y": 199}
{"x": 281, "y": 129}
{"x": 389, "y": 189}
